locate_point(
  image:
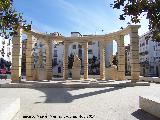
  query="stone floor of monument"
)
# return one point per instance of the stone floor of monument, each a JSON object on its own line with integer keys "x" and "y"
{"x": 108, "y": 103}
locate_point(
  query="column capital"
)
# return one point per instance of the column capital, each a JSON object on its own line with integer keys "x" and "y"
{"x": 27, "y": 33}
{"x": 66, "y": 43}
{"x": 102, "y": 44}
{"x": 84, "y": 43}
{"x": 134, "y": 28}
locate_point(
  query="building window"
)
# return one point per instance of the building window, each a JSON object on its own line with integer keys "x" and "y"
{"x": 35, "y": 44}
{"x": 55, "y": 61}
{"x": 55, "y": 53}
{"x": 59, "y": 70}
{"x": 146, "y": 42}
{"x": 40, "y": 45}
{"x": 90, "y": 43}
{"x": 80, "y": 52}
{"x": 90, "y": 51}
{"x": 74, "y": 46}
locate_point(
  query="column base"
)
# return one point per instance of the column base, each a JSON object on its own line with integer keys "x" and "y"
{"x": 29, "y": 78}
{"x": 85, "y": 78}
{"x": 65, "y": 78}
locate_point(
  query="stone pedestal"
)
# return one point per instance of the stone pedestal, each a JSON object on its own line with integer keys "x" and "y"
{"x": 41, "y": 74}
{"x": 76, "y": 74}
{"x": 111, "y": 73}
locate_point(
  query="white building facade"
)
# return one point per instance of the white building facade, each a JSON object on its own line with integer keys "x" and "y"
{"x": 149, "y": 51}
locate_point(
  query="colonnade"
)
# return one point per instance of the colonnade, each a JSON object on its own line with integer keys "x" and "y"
{"x": 103, "y": 40}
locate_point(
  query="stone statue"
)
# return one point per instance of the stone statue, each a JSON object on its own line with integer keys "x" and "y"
{"x": 77, "y": 62}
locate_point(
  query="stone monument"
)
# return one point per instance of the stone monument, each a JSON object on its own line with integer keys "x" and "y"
{"x": 40, "y": 74}
{"x": 76, "y": 68}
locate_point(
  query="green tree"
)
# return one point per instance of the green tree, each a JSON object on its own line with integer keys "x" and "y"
{"x": 137, "y": 8}
{"x": 10, "y": 19}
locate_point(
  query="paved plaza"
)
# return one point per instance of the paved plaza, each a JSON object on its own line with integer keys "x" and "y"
{"x": 109, "y": 103}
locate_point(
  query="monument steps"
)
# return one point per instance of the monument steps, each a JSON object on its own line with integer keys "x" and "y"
{"x": 71, "y": 84}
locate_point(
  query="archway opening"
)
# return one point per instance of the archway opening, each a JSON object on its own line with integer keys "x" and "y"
{"x": 75, "y": 49}
{"x": 115, "y": 53}
{"x": 93, "y": 59}
{"x": 57, "y": 59}
{"x": 127, "y": 55}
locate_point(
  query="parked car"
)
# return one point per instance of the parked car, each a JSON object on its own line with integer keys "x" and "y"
{"x": 3, "y": 71}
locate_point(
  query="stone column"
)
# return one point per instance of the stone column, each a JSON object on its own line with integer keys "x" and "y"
{"x": 121, "y": 57}
{"x": 85, "y": 46}
{"x": 134, "y": 40}
{"x": 49, "y": 73}
{"x": 16, "y": 57}
{"x": 29, "y": 59}
{"x": 102, "y": 60}
{"x": 65, "y": 61}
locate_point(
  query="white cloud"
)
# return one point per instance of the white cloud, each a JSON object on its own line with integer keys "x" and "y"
{"x": 85, "y": 19}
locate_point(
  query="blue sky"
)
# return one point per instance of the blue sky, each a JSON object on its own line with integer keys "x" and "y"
{"x": 65, "y": 16}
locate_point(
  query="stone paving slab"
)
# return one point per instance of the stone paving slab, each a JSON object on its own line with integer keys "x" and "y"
{"x": 9, "y": 107}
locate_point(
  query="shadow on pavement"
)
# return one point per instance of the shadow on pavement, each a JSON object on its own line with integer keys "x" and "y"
{"x": 62, "y": 95}
{"x": 96, "y": 92}
{"x": 55, "y": 95}
{"x": 142, "y": 115}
